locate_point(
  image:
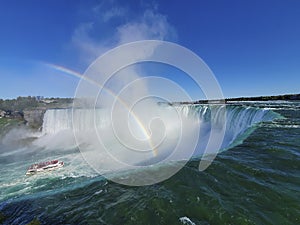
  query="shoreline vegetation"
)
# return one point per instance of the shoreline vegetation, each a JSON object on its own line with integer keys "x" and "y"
{"x": 30, "y": 110}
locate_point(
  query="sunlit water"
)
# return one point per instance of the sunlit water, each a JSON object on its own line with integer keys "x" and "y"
{"x": 255, "y": 182}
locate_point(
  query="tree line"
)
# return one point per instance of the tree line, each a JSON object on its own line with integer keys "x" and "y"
{"x": 18, "y": 104}
{"x": 23, "y": 103}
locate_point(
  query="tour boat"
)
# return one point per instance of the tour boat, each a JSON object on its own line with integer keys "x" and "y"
{"x": 44, "y": 166}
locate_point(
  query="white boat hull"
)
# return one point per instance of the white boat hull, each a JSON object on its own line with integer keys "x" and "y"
{"x": 44, "y": 167}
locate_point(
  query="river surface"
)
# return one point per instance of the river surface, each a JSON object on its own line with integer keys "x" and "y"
{"x": 255, "y": 180}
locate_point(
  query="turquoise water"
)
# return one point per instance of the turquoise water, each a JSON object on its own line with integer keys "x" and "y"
{"x": 256, "y": 182}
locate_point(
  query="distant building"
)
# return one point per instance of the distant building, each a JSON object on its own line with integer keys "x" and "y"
{"x": 39, "y": 98}
{"x": 47, "y": 101}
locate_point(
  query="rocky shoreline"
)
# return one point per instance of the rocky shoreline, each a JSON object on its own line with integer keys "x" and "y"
{"x": 31, "y": 110}
{"x": 32, "y": 118}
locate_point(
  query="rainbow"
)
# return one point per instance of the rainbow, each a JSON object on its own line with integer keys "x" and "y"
{"x": 136, "y": 118}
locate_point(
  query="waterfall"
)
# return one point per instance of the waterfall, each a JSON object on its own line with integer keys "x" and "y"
{"x": 240, "y": 121}
{"x": 57, "y": 120}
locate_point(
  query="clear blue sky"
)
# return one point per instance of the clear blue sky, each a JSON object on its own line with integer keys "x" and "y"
{"x": 253, "y": 47}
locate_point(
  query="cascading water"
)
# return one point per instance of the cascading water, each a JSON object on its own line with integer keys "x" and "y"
{"x": 243, "y": 169}
{"x": 57, "y": 140}
{"x": 240, "y": 121}
{"x": 57, "y": 120}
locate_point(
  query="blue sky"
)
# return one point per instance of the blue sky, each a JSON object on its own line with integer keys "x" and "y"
{"x": 253, "y": 47}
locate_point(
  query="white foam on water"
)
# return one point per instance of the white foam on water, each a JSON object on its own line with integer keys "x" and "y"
{"x": 186, "y": 221}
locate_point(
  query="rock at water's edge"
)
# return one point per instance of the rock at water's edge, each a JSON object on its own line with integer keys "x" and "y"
{"x": 34, "y": 117}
